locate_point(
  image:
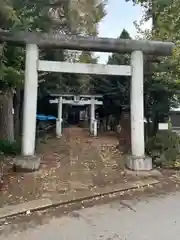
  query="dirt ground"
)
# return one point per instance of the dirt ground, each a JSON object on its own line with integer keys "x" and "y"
{"x": 76, "y": 162}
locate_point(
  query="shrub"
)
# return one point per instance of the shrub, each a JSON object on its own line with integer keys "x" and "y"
{"x": 10, "y": 148}
{"x": 164, "y": 149}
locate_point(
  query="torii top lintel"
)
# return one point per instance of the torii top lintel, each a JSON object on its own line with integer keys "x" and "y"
{"x": 73, "y": 42}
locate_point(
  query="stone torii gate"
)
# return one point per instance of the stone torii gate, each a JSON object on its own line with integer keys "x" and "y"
{"x": 78, "y": 100}
{"x": 137, "y": 160}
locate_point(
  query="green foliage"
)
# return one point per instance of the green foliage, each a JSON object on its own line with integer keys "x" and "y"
{"x": 7, "y": 14}
{"x": 10, "y": 148}
{"x": 45, "y": 16}
{"x": 164, "y": 148}
{"x": 19, "y": 15}
{"x": 83, "y": 17}
{"x": 162, "y": 84}
{"x": 115, "y": 89}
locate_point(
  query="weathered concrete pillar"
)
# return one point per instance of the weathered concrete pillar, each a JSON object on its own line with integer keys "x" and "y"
{"x": 137, "y": 104}
{"x": 28, "y": 161}
{"x": 137, "y": 161}
{"x": 59, "y": 120}
{"x": 30, "y": 100}
{"x": 95, "y": 130}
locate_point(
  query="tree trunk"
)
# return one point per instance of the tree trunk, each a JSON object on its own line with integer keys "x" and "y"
{"x": 6, "y": 115}
{"x": 155, "y": 121}
{"x": 154, "y": 15}
{"x": 17, "y": 106}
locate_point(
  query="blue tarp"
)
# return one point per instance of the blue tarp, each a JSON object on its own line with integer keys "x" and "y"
{"x": 42, "y": 117}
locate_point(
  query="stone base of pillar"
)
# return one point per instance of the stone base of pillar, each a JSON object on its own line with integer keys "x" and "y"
{"x": 26, "y": 164}
{"x": 58, "y": 136}
{"x": 139, "y": 163}
{"x": 58, "y": 128}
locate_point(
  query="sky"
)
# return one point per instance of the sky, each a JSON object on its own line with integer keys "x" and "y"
{"x": 120, "y": 15}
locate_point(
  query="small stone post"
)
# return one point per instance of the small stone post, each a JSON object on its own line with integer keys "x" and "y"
{"x": 92, "y": 115}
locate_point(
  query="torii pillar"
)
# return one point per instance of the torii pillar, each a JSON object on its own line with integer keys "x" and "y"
{"x": 92, "y": 115}
{"x": 137, "y": 160}
{"x": 29, "y": 161}
{"x": 59, "y": 119}
{"x": 30, "y": 100}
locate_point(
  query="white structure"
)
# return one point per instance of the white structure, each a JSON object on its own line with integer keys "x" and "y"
{"x": 33, "y": 65}
{"x": 30, "y": 100}
{"x": 137, "y": 101}
{"x": 59, "y": 119}
{"x": 137, "y": 161}
{"x": 137, "y": 104}
{"x": 80, "y": 100}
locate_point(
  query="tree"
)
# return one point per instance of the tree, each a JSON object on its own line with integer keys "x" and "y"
{"x": 85, "y": 15}
{"x": 162, "y": 82}
{"x": 15, "y": 15}
{"x": 39, "y": 16}
{"x": 115, "y": 89}
{"x": 83, "y": 18}
{"x": 8, "y": 15}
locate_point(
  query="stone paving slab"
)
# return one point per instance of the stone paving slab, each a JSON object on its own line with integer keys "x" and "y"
{"x": 40, "y": 204}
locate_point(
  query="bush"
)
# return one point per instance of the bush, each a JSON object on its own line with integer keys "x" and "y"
{"x": 10, "y": 148}
{"x": 164, "y": 149}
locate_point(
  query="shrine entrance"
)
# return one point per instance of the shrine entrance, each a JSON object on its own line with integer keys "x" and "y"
{"x": 83, "y": 101}
{"x": 137, "y": 160}
{"x": 73, "y": 115}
